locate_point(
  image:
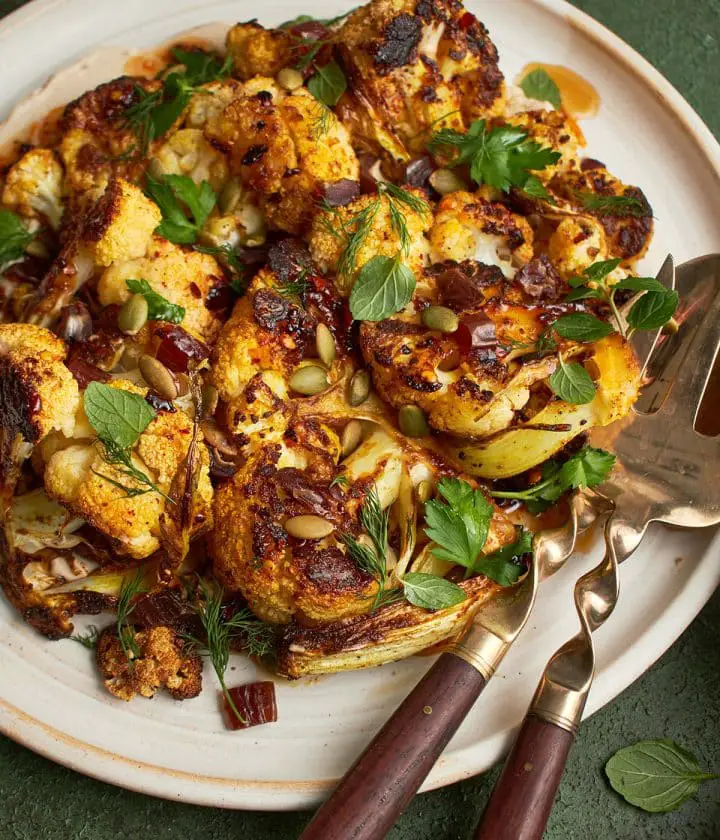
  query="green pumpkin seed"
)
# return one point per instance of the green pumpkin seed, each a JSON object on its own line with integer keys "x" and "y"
{"x": 424, "y": 490}
{"x": 446, "y": 181}
{"x": 309, "y": 380}
{"x": 351, "y": 437}
{"x": 325, "y": 345}
{"x": 413, "y": 422}
{"x": 290, "y": 79}
{"x": 309, "y": 527}
{"x": 359, "y": 388}
{"x": 133, "y": 315}
{"x": 440, "y": 318}
{"x": 158, "y": 377}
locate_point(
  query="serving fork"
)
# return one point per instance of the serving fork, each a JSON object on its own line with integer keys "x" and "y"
{"x": 379, "y": 786}
{"x": 667, "y": 472}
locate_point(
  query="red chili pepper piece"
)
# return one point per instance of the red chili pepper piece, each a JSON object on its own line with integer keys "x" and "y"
{"x": 255, "y": 703}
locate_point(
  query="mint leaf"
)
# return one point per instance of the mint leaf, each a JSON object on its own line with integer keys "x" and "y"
{"x": 580, "y": 326}
{"x": 459, "y": 526}
{"x": 172, "y": 193}
{"x": 653, "y": 310}
{"x": 159, "y": 308}
{"x": 572, "y": 383}
{"x": 657, "y": 775}
{"x": 116, "y": 415}
{"x": 540, "y": 85}
{"x": 383, "y": 287}
{"x": 431, "y": 592}
{"x": 639, "y": 284}
{"x": 503, "y": 565}
{"x": 328, "y": 84}
{"x": 14, "y": 238}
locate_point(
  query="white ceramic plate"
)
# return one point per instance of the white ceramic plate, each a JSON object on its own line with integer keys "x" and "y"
{"x": 50, "y": 699}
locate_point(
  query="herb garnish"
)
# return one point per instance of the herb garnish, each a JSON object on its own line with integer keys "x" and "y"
{"x": 459, "y": 527}
{"x": 572, "y": 383}
{"x": 430, "y": 592}
{"x": 172, "y": 193}
{"x": 155, "y": 113}
{"x": 384, "y": 286}
{"x": 14, "y": 238}
{"x": 612, "y": 205}
{"x": 502, "y": 157}
{"x": 657, "y": 776}
{"x": 539, "y": 84}
{"x": 131, "y": 587}
{"x": 229, "y": 256}
{"x": 159, "y": 308}
{"x": 327, "y": 84}
{"x": 586, "y": 468}
{"x": 221, "y": 632}
{"x": 89, "y": 638}
{"x": 581, "y": 326}
{"x": 119, "y": 418}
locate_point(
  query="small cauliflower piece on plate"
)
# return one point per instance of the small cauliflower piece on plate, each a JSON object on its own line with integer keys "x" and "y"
{"x": 34, "y": 185}
{"x": 555, "y": 130}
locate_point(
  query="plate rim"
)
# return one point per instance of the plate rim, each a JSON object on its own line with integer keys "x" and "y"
{"x": 178, "y": 785}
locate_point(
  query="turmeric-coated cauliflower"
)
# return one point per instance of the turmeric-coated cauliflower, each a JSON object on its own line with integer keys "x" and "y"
{"x": 256, "y": 51}
{"x": 555, "y": 130}
{"x": 33, "y": 186}
{"x": 156, "y": 659}
{"x": 187, "y": 152}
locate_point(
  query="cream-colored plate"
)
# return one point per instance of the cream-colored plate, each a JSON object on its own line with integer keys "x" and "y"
{"x": 50, "y": 698}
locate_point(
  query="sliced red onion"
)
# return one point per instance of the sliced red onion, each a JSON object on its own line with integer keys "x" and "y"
{"x": 419, "y": 170}
{"x": 341, "y": 192}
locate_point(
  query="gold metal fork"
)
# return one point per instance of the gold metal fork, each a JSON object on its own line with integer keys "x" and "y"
{"x": 667, "y": 472}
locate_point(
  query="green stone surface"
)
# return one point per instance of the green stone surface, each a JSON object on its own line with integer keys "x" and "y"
{"x": 678, "y": 698}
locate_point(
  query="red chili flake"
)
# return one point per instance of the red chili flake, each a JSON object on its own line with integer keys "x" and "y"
{"x": 255, "y": 703}
{"x": 195, "y": 291}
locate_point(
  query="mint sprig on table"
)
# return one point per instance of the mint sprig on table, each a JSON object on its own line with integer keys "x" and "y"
{"x": 119, "y": 418}
{"x": 657, "y": 775}
{"x": 459, "y": 527}
{"x": 159, "y": 307}
{"x": 587, "y": 468}
{"x": 502, "y": 157}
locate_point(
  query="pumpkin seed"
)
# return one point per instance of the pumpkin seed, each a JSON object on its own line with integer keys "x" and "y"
{"x": 359, "y": 388}
{"x": 309, "y": 380}
{"x": 158, "y": 377}
{"x": 440, "y": 318}
{"x": 130, "y": 357}
{"x": 446, "y": 181}
{"x": 309, "y": 527}
{"x": 209, "y": 397}
{"x": 290, "y": 79}
{"x": 424, "y": 490}
{"x": 182, "y": 380}
{"x": 351, "y": 437}
{"x": 133, "y": 315}
{"x": 325, "y": 345}
{"x": 413, "y": 422}
{"x": 230, "y": 195}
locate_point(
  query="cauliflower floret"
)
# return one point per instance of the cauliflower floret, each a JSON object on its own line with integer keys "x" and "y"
{"x": 576, "y": 243}
{"x": 187, "y": 152}
{"x": 556, "y": 130}
{"x": 161, "y": 662}
{"x": 286, "y": 147}
{"x": 97, "y": 140}
{"x": 80, "y": 477}
{"x": 468, "y": 227}
{"x": 33, "y": 186}
{"x": 416, "y": 65}
{"x": 627, "y": 235}
{"x": 330, "y": 227}
{"x": 184, "y": 277}
{"x": 118, "y": 227}
{"x": 38, "y": 394}
{"x": 256, "y": 51}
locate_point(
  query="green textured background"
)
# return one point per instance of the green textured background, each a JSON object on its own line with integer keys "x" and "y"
{"x": 678, "y": 698}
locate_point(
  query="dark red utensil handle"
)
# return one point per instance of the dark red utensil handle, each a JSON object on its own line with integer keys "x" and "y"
{"x": 523, "y": 797}
{"x": 381, "y": 783}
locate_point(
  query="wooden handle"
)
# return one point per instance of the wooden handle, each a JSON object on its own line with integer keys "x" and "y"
{"x": 523, "y": 797}
{"x": 381, "y": 783}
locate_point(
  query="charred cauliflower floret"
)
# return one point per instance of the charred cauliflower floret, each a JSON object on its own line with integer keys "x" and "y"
{"x": 80, "y": 477}
{"x": 187, "y": 152}
{"x": 414, "y": 66}
{"x": 157, "y": 660}
{"x": 118, "y": 227}
{"x": 555, "y": 130}
{"x": 628, "y": 229}
{"x": 576, "y": 243}
{"x": 96, "y": 138}
{"x": 33, "y": 186}
{"x": 332, "y": 228}
{"x": 286, "y": 147}
{"x": 184, "y": 277}
{"x": 256, "y": 51}
{"x": 468, "y": 227}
